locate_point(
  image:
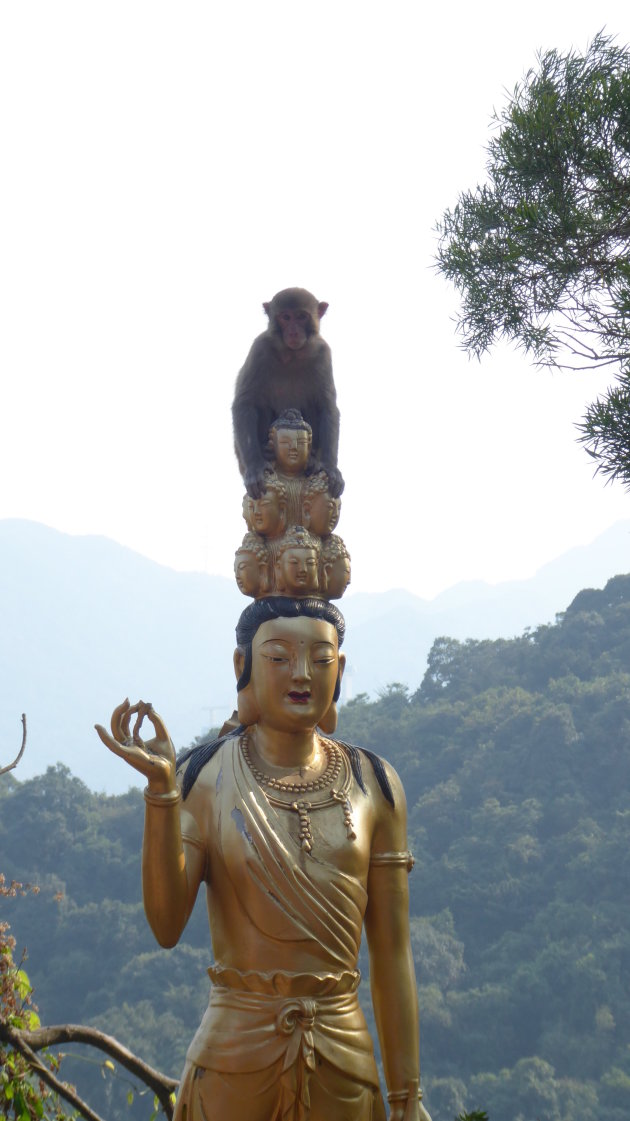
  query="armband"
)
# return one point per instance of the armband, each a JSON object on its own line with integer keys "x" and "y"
{"x": 394, "y": 859}
{"x": 401, "y": 1096}
{"x": 169, "y": 798}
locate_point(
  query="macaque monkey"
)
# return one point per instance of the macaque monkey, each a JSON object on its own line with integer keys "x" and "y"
{"x": 288, "y": 367}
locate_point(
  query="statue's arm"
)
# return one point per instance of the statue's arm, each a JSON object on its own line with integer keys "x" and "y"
{"x": 172, "y": 869}
{"x": 173, "y": 865}
{"x": 392, "y": 973}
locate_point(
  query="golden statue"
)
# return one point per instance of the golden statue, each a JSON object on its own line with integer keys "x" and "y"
{"x": 299, "y": 840}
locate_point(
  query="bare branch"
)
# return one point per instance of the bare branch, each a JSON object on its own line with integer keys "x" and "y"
{"x": 10, "y": 766}
{"x": 14, "y": 1037}
{"x": 161, "y": 1085}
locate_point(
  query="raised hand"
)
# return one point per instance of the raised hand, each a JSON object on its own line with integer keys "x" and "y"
{"x": 154, "y": 758}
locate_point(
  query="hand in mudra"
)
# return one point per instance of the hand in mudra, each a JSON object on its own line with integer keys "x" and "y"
{"x": 154, "y": 758}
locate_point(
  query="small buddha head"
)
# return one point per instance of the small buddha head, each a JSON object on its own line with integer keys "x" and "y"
{"x": 297, "y": 563}
{"x": 269, "y": 512}
{"x": 248, "y": 511}
{"x": 335, "y": 567}
{"x": 290, "y": 441}
{"x": 320, "y": 511}
{"x": 251, "y": 566}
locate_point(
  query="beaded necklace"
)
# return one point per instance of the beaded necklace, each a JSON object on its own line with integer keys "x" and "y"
{"x": 336, "y": 763}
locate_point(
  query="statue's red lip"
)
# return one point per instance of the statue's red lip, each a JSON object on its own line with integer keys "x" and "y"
{"x": 299, "y": 698}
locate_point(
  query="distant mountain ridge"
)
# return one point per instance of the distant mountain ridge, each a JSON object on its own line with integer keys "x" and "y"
{"x": 84, "y": 621}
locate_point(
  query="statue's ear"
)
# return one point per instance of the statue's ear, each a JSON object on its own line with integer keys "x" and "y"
{"x": 328, "y": 722}
{"x": 324, "y": 572}
{"x": 248, "y": 712}
{"x": 265, "y": 579}
{"x": 239, "y": 663}
{"x": 280, "y": 584}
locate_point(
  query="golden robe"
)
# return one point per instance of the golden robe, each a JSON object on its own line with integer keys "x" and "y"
{"x": 281, "y": 1046}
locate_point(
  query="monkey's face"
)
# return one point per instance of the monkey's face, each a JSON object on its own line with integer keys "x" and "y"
{"x": 295, "y": 326}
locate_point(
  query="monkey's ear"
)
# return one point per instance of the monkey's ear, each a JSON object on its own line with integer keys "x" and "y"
{"x": 267, "y": 306}
{"x": 321, "y": 309}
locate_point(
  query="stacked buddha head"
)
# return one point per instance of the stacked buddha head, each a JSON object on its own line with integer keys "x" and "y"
{"x": 290, "y": 548}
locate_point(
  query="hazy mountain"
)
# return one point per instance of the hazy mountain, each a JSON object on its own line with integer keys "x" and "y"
{"x": 85, "y": 622}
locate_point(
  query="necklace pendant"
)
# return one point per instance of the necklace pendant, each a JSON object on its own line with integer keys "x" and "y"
{"x": 346, "y": 805}
{"x": 302, "y": 808}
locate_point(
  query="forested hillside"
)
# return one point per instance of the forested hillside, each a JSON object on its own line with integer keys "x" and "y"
{"x": 515, "y": 755}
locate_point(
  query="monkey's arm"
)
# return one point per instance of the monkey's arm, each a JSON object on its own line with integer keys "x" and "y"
{"x": 327, "y": 420}
{"x": 246, "y": 444}
{"x": 248, "y": 405}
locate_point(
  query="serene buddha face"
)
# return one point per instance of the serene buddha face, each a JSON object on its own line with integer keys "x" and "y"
{"x": 247, "y": 571}
{"x": 297, "y": 571}
{"x": 337, "y": 577}
{"x": 295, "y": 664}
{"x": 269, "y": 514}
{"x": 291, "y": 448}
{"x": 320, "y": 513}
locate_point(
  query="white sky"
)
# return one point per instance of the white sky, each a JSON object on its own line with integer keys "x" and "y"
{"x": 166, "y": 167}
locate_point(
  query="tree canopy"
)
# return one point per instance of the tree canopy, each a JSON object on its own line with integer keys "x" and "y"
{"x": 540, "y": 252}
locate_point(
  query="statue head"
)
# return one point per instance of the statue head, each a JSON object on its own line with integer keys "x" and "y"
{"x": 287, "y": 662}
{"x": 335, "y": 567}
{"x": 251, "y": 566}
{"x": 248, "y": 511}
{"x": 320, "y": 511}
{"x": 290, "y": 440}
{"x": 297, "y": 562}
{"x": 269, "y": 512}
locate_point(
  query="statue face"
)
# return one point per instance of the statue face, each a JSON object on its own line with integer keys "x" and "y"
{"x": 268, "y": 514}
{"x": 321, "y": 513}
{"x": 247, "y": 572}
{"x": 291, "y": 450}
{"x": 295, "y": 663}
{"x": 297, "y": 571}
{"x": 338, "y": 574}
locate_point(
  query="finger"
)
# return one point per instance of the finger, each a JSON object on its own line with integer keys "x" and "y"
{"x": 143, "y": 708}
{"x": 161, "y": 730}
{"x": 125, "y": 722}
{"x": 123, "y": 750}
{"x": 117, "y": 717}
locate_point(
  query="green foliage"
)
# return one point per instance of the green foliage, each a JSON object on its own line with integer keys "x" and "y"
{"x": 515, "y": 757}
{"x": 23, "y": 1095}
{"x": 539, "y": 253}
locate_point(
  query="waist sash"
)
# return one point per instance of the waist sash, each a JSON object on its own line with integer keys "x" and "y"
{"x": 265, "y": 1021}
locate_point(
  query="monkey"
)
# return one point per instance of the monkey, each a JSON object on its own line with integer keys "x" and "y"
{"x": 288, "y": 366}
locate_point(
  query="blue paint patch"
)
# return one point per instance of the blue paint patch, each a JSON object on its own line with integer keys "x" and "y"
{"x": 239, "y": 821}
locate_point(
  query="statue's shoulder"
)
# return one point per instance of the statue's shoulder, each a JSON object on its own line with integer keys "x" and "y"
{"x": 371, "y": 769}
{"x": 198, "y": 764}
